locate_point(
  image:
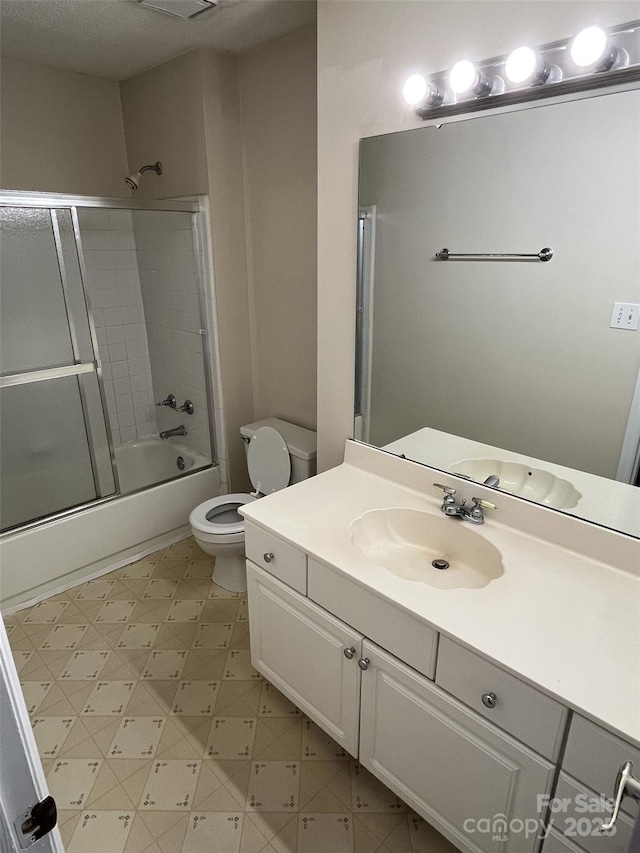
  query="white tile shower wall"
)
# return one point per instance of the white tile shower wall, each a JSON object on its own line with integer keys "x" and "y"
{"x": 116, "y": 300}
{"x": 166, "y": 263}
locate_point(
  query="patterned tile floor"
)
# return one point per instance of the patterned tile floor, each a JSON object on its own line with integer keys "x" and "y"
{"x": 157, "y": 735}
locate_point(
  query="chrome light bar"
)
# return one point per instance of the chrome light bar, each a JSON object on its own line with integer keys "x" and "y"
{"x": 595, "y": 58}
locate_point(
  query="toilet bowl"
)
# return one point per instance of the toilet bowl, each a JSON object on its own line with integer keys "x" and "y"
{"x": 219, "y": 530}
{"x": 217, "y": 526}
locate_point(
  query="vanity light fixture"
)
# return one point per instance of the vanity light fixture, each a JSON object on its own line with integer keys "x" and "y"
{"x": 524, "y": 65}
{"x": 415, "y": 89}
{"x": 593, "y": 59}
{"x": 466, "y": 78}
{"x": 592, "y": 48}
{"x": 418, "y": 90}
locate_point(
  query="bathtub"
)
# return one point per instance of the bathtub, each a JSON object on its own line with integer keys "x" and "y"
{"x": 41, "y": 561}
{"x": 147, "y": 461}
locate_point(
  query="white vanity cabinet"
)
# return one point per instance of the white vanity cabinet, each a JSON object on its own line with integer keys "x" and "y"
{"x": 460, "y": 772}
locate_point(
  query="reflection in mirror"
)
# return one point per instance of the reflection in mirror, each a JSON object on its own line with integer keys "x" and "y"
{"x": 508, "y": 367}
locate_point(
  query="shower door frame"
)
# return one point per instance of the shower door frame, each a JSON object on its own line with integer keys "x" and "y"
{"x": 58, "y": 201}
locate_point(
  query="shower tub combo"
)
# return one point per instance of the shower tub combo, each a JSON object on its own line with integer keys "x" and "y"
{"x": 105, "y": 316}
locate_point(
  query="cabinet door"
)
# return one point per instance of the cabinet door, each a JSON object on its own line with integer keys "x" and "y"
{"x": 462, "y": 774}
{"x": 300, "y": 648}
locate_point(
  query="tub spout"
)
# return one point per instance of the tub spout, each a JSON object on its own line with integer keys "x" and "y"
{"x": 169, "y": 433}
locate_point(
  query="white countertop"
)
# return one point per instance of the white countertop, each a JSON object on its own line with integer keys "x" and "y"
{"x": 559, "y": 619}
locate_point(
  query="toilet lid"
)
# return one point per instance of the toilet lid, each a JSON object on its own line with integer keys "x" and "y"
{"x": 268, "y": 461}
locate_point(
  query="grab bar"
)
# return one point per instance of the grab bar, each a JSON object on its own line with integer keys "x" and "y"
{"x": 543, "y": 255}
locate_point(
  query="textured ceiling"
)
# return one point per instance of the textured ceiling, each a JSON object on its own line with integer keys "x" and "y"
{"x": 120, "y": 38}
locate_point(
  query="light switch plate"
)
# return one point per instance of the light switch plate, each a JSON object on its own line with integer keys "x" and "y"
{"x": 625, "y": 315}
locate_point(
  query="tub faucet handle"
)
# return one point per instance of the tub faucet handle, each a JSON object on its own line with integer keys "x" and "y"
{"x": 169, "y": 401}
{"x": 187, "y": 407}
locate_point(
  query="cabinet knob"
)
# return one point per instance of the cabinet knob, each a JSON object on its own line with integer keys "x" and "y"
{"x": 268, "y": 557}
{"x": 350, "y": 653}
{"x": 363, "y": 663}
{"x": 489, "y": 700}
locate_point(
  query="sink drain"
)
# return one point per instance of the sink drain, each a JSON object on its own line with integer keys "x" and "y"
{"x": 440, "y": 564}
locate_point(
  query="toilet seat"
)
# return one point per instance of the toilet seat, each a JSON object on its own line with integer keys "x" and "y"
{"x": 268, "y": 461}
{"x": 216, "y": 506}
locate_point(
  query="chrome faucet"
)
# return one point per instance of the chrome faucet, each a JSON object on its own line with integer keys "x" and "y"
{"x": 492, "y": 481}
{"x": 169, "y": 433}
{"x": 453, "y": 509}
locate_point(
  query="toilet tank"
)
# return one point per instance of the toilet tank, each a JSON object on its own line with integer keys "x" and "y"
{"x": 301, "y": 443}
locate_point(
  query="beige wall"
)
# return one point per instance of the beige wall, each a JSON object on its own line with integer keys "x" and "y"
{"x": 225, "y": 188}
{"x": 163, "y": 119}
{"x": 365, "y": 50}
{"x": 278, "y": 98}
{"x": 60, "y": 132}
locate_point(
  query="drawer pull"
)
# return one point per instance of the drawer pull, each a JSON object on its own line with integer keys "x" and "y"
{"x": 363, "y": 663}
{"x": 626, "y": 786}
{"x": 489, "y": 700}
{"x": 268, "y": 557}
{"x": 350, "y": 653}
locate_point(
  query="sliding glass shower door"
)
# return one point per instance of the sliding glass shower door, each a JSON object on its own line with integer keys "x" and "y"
{"x": 54, "y": 448}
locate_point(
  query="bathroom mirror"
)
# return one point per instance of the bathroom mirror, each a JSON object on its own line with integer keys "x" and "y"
{"x": 507, "y": 367}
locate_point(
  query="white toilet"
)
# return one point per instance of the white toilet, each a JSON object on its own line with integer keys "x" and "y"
{"x": 279, "y": 454}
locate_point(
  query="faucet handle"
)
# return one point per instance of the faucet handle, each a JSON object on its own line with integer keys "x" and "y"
{"x": 448, "y": 490}
{"x": 449, "y": 504}
{"x": 169, "y": 401}
{"x": 484, "y": 504}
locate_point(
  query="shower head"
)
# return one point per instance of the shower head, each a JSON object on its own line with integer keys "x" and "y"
{"x": 132, "y": 181}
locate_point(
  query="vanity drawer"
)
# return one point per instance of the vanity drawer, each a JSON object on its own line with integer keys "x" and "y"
{"x": 519, "y": 709}
{"x": 279, "y": 558}
{"x": 397, "y": 631}
{"x": 594, "y": 756}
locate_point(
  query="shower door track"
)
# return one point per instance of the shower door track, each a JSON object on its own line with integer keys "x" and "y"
{"x": 18, "y": 198}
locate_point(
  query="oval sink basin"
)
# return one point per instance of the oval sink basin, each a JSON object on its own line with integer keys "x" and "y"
{"x": 407, "y": 542}
{"x": 518, "y": 479}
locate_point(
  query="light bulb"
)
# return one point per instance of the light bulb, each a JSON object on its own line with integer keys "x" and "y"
{"x": 415, "y": 89}
{"x": 463, "y": 76}
{"x": 521, "y": 65}
{"x": 589, "y": 46}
